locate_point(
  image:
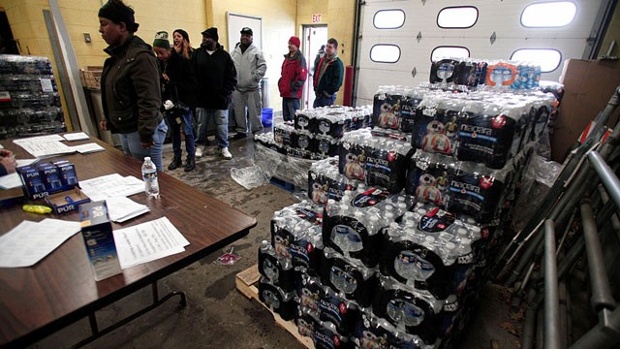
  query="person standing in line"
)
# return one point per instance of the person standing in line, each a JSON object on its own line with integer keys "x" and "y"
{"x": 129, "y": 85}
{"x": 181, "y": 44}
{"x": 291, "y": 83}
{"x": 217, "y": 78}
{"x": 328, "y": 76}
{"x": 320, "y": 54}
{"x": 251, "y": 68}
{"x": 178, "y": 85}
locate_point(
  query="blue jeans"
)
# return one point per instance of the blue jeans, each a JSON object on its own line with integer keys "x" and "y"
{"x": 323, "y": 101}
{"x": 220, "y": 116}
{"x": 175, "y": 117}
{"x": 133, "y": 147}
{"x": 289, "y": 106}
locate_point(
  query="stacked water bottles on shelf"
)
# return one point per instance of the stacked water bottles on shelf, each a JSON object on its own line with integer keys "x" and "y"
{"x": 29, "y": 100}
{"x": 315, "y": 133}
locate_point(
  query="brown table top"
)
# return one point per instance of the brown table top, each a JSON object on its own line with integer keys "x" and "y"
{"x": 61, "y": 289}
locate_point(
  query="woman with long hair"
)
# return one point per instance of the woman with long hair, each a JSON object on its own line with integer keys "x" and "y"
{"x": 181, "y": 44}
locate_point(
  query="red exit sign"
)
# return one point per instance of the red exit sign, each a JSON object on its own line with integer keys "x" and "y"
{"x": 316, "y": 18}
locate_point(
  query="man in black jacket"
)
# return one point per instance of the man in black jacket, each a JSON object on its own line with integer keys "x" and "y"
{"x": 217, "y": 78}
{"x": 178, "y": 87}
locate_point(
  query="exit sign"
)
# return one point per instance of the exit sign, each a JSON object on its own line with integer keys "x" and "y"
{"x": 316, "y": 18}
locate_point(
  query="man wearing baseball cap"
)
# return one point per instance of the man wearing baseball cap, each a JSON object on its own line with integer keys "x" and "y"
{"x": 251, "y": 67}
{"x": 217, "y": 78}
{"x": 291, "y": 83}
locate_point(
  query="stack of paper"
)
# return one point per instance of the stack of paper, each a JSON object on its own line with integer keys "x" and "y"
{"x": 108, "y": 186}
{"x": 147, "y": 242}
{"x": 30, "y": 242}
{"x": 121, "y": 209}
{"x": 44, "y": 145}
{"x": 50, "y": 145}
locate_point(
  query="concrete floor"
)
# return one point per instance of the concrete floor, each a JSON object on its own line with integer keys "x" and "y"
{"x": 217, "y": 316}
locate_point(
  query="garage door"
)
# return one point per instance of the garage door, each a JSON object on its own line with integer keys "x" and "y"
{"x": 397, "y": 38}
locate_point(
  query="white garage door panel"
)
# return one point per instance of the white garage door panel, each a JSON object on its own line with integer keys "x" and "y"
{"x": 499, "y": 17}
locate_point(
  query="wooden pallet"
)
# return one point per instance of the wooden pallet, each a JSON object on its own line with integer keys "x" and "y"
{"x": 246, "y": 284}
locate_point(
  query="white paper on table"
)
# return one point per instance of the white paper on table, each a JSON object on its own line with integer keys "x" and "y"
{"x": 44, "y": 145}
{"x": 25, "y": 162}
{"x": 121, "y": 209}
{"x": 112, "y": 185}
{"x": 77, "y": 136}
{"x": 29, "y": 242}
{"x": 10, "y": 181}
{"x": 147, "y": 242}
{"x": 87, "y": 148}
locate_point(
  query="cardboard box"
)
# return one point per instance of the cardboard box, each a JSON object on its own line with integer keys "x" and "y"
{"x": 66, "y": 201}
{"x": 99, "y": 240}
{"x": 45, "y": 178}
{"x": 589, "y": 84}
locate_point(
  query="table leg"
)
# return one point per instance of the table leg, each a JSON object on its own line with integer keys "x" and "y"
{"x": 96, "y": 333}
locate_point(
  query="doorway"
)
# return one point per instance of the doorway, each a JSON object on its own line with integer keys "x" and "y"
{"x": 314, "y": 37}
{"x": 8, "y": 45}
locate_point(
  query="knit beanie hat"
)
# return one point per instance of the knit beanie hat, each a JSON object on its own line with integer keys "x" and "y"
{"x": 212, "y": 33}
{"x": 161, "y": 40}
{"x": 295, "y": 41}
{"x": 118, "y": 12}
{"x": 183, "y": 33}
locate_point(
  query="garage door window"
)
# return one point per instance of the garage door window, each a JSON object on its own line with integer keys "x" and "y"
{"x": 385, "y": 53}
{"x": 457, "y": 17}
{"x": 449, "y": 52}
{"x": 548, "y": 14}
{"x": 389, "y": 19}
{"x": 548, "y": 59}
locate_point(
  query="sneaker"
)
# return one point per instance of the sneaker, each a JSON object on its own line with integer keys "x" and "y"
{"x": 226, "y": 154}
{"x": 199, "y": 151}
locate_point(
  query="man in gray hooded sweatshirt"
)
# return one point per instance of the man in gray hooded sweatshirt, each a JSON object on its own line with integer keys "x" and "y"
{"x": 251, "y": 67}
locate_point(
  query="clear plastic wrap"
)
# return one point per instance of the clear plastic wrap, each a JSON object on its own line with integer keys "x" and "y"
{"x": 537, "y": 180}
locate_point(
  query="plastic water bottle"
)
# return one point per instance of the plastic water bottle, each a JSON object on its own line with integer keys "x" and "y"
{"x": 149, "y": 175}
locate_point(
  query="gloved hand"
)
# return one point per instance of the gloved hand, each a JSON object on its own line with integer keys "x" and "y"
{"x": 168, "y": 104}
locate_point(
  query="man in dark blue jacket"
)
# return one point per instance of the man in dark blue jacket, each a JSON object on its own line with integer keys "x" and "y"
{"x": 217, "y": 78}
{"x": 328, "y": 75}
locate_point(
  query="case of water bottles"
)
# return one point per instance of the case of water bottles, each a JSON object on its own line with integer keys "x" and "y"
{"x": 458, "y": 186}
{"x": 430, "y": 250}
{"x": 474, "y": 73}
{"x": 325, "y": 182}
{"x": 485, "y": 127}
{"x": 414, "y": 312}
{"x": 394, "y": 107}
{"x": 276, "y": 299}
{"x": 374, "y": 332}
{"x": 323, "y": 304}
{"x": 374, "y": 159}
{"x": 324, "y": 335}
{"x": 353, "y": 226}
{"x": 296, "y": 236}
{"x": 332, "y": 121}
{"x": 349, "y": 277}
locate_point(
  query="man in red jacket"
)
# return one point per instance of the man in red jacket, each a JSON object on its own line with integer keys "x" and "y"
{"x": 291, "y": 83}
